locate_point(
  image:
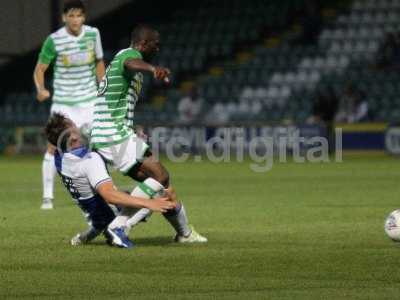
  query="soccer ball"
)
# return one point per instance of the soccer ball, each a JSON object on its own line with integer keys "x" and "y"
{"x": 392, "y": 225}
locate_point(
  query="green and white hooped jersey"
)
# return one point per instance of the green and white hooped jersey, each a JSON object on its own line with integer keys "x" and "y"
{"x": 74, "y": 60}
{"x": 114, "y": 109}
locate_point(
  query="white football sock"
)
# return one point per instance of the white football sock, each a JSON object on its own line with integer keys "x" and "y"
{"x": 48, "y": 174}
{"x": 178, "y": 219}
{"x": 138, "y": 216}
{"x": 129, "y": 217}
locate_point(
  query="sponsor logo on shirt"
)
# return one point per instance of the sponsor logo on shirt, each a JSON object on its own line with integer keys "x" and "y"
{"x": 77, "y": 59}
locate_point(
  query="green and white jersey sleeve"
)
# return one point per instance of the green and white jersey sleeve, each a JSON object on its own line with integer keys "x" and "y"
{"x": 74, "y": 59}
{"x": 114, "y": 109}
{"x": 48, "y": 52}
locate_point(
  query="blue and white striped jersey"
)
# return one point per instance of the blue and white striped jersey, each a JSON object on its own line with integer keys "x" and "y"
{"x": 81, "y": 172}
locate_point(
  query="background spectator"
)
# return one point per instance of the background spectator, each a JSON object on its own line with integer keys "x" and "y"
{"x": 389, "y": 53}
{"x": 353, "y": 106}
{"x": 325, "y": 107}
{"x": 190, "y": 107}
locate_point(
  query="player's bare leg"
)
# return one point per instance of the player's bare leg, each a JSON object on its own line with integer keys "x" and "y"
{"x": 48, "y": 175}
{"x": 152, "y": 168}
{"x": 140, "y": 174}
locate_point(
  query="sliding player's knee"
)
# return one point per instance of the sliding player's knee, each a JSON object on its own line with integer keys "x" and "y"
{"x": 101, "y": 224}
{"x": 101, "y": 215}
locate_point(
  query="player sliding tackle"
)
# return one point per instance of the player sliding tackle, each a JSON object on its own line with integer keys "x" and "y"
{"x": 112, "y": 135}
{"x": 85, "y": 176}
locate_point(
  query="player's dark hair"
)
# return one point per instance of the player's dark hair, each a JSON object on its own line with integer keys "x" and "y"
{"x": 140, "y": 33}
{"x": 73, "y": 4}
{"x": 56, "y": 128}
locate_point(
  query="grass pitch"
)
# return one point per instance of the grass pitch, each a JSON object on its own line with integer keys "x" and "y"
{"x": 300, "y": 231}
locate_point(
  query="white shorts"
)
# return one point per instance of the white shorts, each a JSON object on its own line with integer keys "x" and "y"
{"x": 79, "y": 115}
{"x": 125, "y": 155}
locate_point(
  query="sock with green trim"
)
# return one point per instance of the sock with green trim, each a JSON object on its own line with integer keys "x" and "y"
{"x": 150, "y": 188}
{"x": 129, "y": 217}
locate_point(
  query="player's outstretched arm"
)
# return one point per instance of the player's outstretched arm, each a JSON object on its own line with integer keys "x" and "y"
{"x": 138, "y": 65}
{"x": 100, "y": 69}
{"x": 38, "y": 77}
{"x": 111, "y": 195}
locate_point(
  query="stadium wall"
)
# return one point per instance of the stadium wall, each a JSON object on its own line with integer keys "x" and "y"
{"x": 360, "y": 137}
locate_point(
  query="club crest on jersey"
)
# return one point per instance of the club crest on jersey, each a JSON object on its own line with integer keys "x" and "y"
{"x": 90, "y": 44}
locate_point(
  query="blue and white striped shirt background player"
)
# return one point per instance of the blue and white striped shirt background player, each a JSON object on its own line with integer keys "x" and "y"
{"x": 82, "y": 172}
{"x": 86, "y": 178}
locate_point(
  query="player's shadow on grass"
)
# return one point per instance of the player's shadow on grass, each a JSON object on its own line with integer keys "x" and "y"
{"x": 142, "y": 241}
{"x": 153, "y": 241}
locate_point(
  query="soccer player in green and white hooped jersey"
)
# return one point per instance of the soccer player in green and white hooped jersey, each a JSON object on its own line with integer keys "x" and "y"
{"x": 77, "y": 55}
{"x": 113, "y": 137}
